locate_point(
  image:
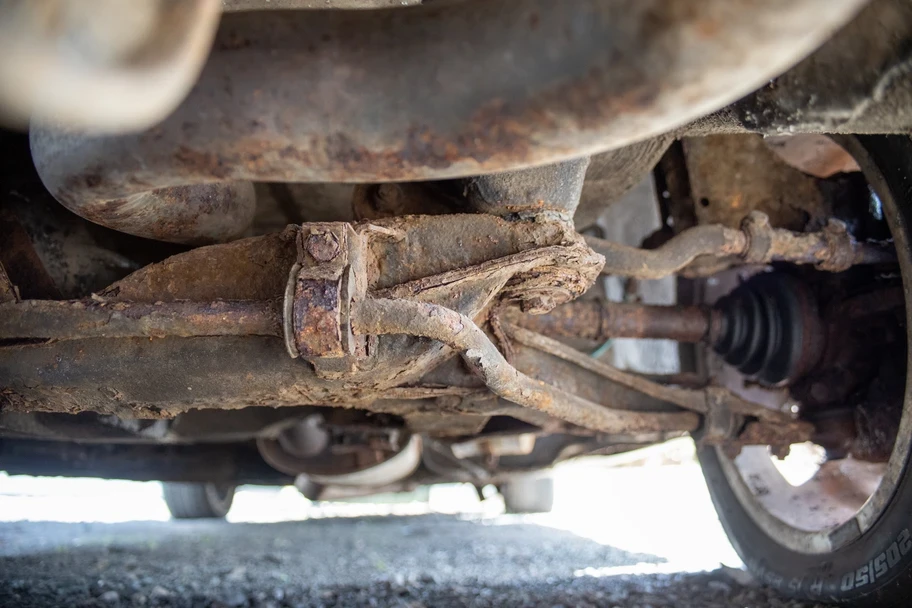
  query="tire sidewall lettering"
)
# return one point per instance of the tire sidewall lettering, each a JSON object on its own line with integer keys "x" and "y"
{"x": 877, "y": 568}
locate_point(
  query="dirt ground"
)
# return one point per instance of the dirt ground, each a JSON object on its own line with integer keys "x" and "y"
{"x": 613, "y": 539}
{"x": 414, "y": 561}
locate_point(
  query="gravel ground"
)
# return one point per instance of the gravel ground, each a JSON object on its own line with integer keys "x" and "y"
{"x": 424, "y": 560}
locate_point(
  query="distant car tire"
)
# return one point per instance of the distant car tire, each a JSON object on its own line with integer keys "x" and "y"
{"x": 198, "y": 500}
{"x": 528, "y": 495}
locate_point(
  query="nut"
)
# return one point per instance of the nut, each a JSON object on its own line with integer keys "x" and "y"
{"x": 756, "y": 227}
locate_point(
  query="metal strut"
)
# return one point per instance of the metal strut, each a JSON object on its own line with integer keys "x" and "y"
{"x": 379, "y": 317}
{"x": 832, "y": 249}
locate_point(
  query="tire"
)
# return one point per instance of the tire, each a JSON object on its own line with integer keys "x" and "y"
{"x": 528, "y": 494}
{"x": 197, "y": 500}
{"x": 859, "y": 563}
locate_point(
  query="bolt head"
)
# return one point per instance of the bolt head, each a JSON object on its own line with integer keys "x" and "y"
{"x": 323, "y": 247}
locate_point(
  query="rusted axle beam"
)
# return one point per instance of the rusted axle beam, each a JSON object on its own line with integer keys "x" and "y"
{"x": 383, "y": 317}
{"x": 831, "y": 249}
{"x": 80, "y": 319}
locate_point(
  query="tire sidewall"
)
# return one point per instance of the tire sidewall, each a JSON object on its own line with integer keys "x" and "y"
{"x": 876, "y": 567}
{"x": 885, "y": 548}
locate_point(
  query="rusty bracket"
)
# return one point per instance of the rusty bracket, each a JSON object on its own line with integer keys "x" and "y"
{"x": 728, "y": 427}
{"x": 720, "y": 424}
{"x": 324, "y": 280}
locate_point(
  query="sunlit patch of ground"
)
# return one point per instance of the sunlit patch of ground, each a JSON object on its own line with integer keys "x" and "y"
{"x": 653, "y": 502}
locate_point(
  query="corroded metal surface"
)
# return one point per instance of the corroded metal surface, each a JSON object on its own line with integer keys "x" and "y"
{"x": 778, "y": 436}
{"x": 534, "y": 82}
{"x": 771, "y": 427}
{"x": 671, "y": 257}
{"x": 399, "y": 251}
{"x": 249, "y": 269}
{"x": 568, "y": 377}
{"x": 733, "y": 175}
{"x": 373, "y": 282}
{"x": 696, "y": 400}
{"x": 857, "y": 82}
{"x": 814, "y": 154}
{"x": 597, "y": 321}
{"x": 82, "y": 319}
{"x": 478, "y": 259}
{"x": 831, "y": 249}
{"x": 552, "y": 189}
{"x": 375, "y": 317}
{"x": 321, "y": 286}
{"x": 686, "y": 398}
{"x": 316, "y": 318}
{"x": 195, "y": 214}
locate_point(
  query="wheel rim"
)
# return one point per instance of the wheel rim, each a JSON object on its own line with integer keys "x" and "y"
{"x": 844, "y": 498}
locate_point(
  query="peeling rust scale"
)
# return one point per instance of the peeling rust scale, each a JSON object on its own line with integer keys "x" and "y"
{"x": 320, "y": 288}
{"x": 84, "y": 319}
{"x": 378, "y": 317}
{"x": 95, "y": 355}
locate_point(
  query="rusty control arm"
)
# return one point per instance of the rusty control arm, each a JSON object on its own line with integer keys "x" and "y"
{"x": 80, "y": 319}
{"x": 695, "y": 400}
{"x": 772, "y": 426}
{"x": 831, "y": 249}
{"x": 382, "y": 317}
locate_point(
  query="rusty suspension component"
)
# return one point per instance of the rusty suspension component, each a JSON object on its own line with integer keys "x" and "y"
{"x": 772, "y": 427}
{"x": 529, "y": 93}
{"x": 381, "y": 317}
{"x": 769, "y": 327}
{"x": 598, "y": 321}
{"x": 831, "y": 249}
{"x": 695, "y": 400}
{"x": 328, "y": 313}
{"x": 81, "y": 319}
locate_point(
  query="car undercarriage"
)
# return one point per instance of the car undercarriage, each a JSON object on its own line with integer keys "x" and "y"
{"x": 360, "y": 248}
